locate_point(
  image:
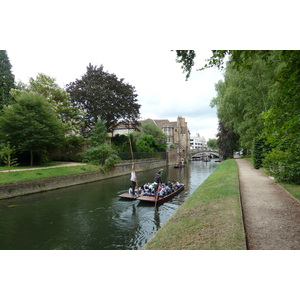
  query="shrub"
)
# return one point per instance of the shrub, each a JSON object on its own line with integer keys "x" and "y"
{"x": 258, "y": 147}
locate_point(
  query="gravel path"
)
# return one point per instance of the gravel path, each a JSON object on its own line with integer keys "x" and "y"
{"x": 57, "y": 166}
{"x": 271, "y": 214}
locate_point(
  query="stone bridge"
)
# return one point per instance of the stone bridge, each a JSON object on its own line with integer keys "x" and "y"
{"x": 196, "y": 155}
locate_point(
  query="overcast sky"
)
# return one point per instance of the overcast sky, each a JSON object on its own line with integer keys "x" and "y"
{"x": 163, "y": 92}
{"x": 133, "y": 39}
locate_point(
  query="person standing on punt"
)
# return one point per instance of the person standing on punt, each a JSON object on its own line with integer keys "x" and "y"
{"x": 157, "y": 180}
{"x": 133, "y": 179}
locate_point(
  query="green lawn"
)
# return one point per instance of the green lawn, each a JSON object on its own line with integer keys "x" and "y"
{"x": 48, "y": 164}
{"x": 210, "y": 219}
{"x": 43, "y": 173}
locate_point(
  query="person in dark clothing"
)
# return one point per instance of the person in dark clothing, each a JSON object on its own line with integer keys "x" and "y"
{"x": 157, "y": 180}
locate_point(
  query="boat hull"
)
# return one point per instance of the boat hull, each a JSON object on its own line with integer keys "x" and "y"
{"x": 151, "y": 199}
{"x": 128, "y": 196}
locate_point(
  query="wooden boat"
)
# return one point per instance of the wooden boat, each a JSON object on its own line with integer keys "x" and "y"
{"x": 179, "y": 166}
{"x": 128, "y": 196}
{"x": 151, "y": 199}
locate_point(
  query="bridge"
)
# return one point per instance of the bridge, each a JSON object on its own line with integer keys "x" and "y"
{"x": 205, "y": 156}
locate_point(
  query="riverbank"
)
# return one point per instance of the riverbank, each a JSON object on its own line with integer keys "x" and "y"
{"x": 24, "y": 182}
{"x": 210, "y": 219}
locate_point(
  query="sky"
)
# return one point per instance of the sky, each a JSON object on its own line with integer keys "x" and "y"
{"x": 133, "y": 39}
{"x": 162, "y": 89}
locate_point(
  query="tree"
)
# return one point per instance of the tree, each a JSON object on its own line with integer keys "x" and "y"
{"x": 242, "y": 98}
{"x": 7, "y": 79}
{"x": 104, "y": 97}
{"x": 227, "y": 140}
{"x": 6, "y": 153}
{"x": 59, "y": 100}
{"x": 186, "y": 58}
{"x": 31, "y": 125}
{"x": 121, "y": 142}
{"x": 282, "y": 120}
{"x": 212, "y": 143}
{"x": 150, "y": 137}
{"x": 100, "y": 151}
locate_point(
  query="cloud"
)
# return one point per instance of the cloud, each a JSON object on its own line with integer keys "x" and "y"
{"x": 163, "y": 92}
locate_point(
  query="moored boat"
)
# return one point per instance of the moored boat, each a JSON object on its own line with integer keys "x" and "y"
{"x": 179, "y": 166}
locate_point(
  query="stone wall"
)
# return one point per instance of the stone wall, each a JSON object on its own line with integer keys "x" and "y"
{"x": 20, "y": 188}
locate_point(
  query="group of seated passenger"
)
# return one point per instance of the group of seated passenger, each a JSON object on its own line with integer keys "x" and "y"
{"x": 148, "y": 189}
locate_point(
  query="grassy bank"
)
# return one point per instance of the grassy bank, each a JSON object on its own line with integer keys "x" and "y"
{"x": 210, "y": 219}
{"x": 293, "y": 189}
{"x": 44, "y": 173}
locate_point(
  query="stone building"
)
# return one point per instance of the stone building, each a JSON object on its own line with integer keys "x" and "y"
{"x": 178, "y": 137}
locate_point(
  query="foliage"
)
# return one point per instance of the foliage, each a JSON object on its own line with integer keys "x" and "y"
{"x": 101, "y": 151}
{"x": 71, "y": 149}
{"x": 6, "y": 153}
{"x": 58, "y": 98}
{"x": 121, "y": 143}
{"x": 259, "y": 97}
{"x": 282, "y": 120}
{"x": 7, "y": 80}
{"x": 242, "y": 97}
{"x": 150, "y": 138}
{"x": 31, "y": 125}
{"x": 146, "y": 143}
{"x": 227, "y": 140}
{"x": 283, "y": 165}
{"x": 104, "y": 97}
{"x": 258, "y": 147}
{"x": 212, "y": 143}
{"x": 186, "y": 58}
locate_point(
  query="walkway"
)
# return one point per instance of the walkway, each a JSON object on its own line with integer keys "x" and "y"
{"x": 71, "y": 164}
{"x": 271, "y": 214}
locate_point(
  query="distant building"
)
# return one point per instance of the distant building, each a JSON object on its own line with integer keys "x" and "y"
{"x": 178, "y": 135}
{"x": 198, "y": 142}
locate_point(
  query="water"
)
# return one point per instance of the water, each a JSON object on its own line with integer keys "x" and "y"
{"x": 91, "y": 216}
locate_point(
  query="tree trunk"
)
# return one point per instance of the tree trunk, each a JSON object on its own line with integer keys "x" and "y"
{"x": 31, "y": 158}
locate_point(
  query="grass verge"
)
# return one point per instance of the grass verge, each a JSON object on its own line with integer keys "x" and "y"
{"x": 293, "y": 189}
{"x": 44, "y": 173}
{"x": 210, "y": 219}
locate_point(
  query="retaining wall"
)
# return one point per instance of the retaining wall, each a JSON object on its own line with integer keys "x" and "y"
{"x": 21, "y": 188}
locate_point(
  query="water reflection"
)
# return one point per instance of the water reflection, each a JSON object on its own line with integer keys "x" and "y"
{"x": 91, "y": 216}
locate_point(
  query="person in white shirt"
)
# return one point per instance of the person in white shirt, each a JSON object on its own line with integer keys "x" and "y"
{"x": 133, "y": 179}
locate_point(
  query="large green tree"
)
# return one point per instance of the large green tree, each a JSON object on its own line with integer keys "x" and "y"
{"x": 267, "y": 101}
{"x": 104, "y": 97}
{"x": 58, "y": 98}
{"x": 242, "y": 97}
{"x": 31, "y": 125}
{"x": 7, "y": 79}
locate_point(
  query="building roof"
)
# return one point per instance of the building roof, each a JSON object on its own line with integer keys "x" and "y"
{"x": 163, "y": 123}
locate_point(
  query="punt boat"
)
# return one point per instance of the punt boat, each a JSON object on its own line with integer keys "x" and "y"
{"x": 152, "y": 199}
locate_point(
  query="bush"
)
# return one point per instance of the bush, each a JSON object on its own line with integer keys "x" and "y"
{"x": 102, "y": 154}
{"x": 283, "y": 165}
{"x": 258, "y": 147}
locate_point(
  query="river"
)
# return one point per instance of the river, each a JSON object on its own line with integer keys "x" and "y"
{"x": 92, "y": 216}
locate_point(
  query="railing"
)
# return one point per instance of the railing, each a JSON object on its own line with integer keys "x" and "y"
{"x": 143, "y": 155}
